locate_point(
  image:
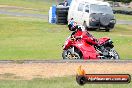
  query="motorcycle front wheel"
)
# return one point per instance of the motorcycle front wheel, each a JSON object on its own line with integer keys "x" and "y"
{"x": 67, "y": 54}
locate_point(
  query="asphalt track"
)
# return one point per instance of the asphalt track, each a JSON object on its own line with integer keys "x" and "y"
{"x": 44, "y": 16}
{"x": 23, "y": 14}
{"x": 64, "y": 61}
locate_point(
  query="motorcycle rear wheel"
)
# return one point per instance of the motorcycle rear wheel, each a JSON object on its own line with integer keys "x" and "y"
{"x": 115, "y": 54}
{"x": 112, "y": 54}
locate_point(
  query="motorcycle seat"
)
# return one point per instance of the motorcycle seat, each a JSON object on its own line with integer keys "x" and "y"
{"x": 102, "y": 40}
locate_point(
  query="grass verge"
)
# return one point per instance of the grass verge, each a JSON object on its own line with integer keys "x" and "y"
{"x": 42, "y": 5}
{"x": 31, "y": 38}
{"x": 123, "y": 17}
{"x": 64, "y": 82}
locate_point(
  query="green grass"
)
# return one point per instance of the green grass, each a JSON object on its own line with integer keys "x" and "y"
{"x": 123, "y": 17}
{"x": 42, "y": 5}
{"x": 31, "y": 38}
{"x": 64, "y": 82}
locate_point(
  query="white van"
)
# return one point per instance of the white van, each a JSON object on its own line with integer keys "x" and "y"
{"x": 92, "y": 14}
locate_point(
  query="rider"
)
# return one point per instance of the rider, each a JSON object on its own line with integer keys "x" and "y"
{"x": 80, "y": 31}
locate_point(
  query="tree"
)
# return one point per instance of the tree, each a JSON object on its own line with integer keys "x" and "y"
{"x": 123, "y": 1}
{"x": 126, "y": 1}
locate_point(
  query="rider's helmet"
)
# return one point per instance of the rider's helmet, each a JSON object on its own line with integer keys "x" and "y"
{"x": 72, "y": 25}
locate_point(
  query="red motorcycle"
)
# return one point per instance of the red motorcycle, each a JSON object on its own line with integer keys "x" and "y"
{"x": 76, "y": 47}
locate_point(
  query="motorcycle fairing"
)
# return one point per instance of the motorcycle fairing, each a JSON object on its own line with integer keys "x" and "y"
{"x": 87, "y": 50}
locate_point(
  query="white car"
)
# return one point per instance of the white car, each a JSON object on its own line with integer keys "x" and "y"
{"x": 92, "y": 14}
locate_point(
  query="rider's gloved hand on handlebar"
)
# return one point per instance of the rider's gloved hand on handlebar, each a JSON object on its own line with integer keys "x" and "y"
{"x": 78, "y": 37}
{"x": 75, "y": 37}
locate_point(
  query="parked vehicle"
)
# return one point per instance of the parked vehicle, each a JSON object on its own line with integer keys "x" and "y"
{"x": 82, "y": 45}
{"x": 92, "y": 14}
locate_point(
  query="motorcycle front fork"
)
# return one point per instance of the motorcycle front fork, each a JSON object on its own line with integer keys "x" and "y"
{"x": 73, "y": 50}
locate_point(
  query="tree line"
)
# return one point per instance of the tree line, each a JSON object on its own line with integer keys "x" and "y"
{"x": 123, "y": 1}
